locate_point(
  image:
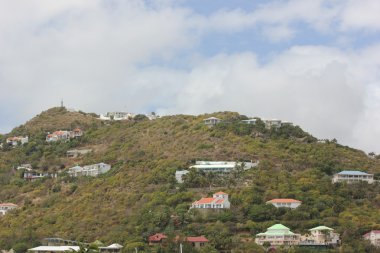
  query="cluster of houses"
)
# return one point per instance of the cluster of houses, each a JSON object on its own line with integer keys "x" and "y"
{"x": 64, "y": 135}
{"x": 92, "y": 170}
{"x": 124, "y": 116}
{"x": 279, "y": 234}
{"x": 269, "y": 123}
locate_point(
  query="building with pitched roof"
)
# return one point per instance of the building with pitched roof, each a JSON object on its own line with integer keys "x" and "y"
{"x": 15, "y": 140}
{"x": 157, "y": 239}
{"x": 289, "y": 203}
{"x": 197, "y": 241}
{"x": 63, "y": 135}
{"x": 374, "y": 237}
{"x": 352, "y": 176}
{"x": 320, "y": 236}
{"x": 6, "y": 207}
{"x": 219, "y": 200}
{"x": 212, "y": 121}
{"x": 278, "y": 234}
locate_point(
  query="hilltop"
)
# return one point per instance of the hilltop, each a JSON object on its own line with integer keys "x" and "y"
{"x": 140, "y": 196}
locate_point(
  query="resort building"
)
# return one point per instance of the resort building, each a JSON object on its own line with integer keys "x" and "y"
{"x": 278, "y": 235}
{"x": 221, "y": 166}
{"x": 352, "y": 176}
{"x": 211, "y": 121}
{"x": 320, "y": 236}
{"x": 179, "y": 175}
{"x": 374, "y": 237}
{"x": 89, "y": 170}
{"x": 218, "y": 201}
{"x": 6, "y": 207}
{"x": 289, "y": 203}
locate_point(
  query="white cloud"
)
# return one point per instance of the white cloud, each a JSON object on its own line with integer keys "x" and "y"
{"x": 362, "y": 14}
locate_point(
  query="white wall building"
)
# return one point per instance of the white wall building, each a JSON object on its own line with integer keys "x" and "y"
{"x": 179, "y": 175}
{"x": 289, "y": 203}
{"x": 352, "y": 176}
{"x": 374, "y": 237}
{"x": 221, "y": 166}
{"x": 320, "y": 235}
{"x": 15, "y": 140}
{"x": 117, "y": 116}
{"x": 6, "y": 207}
{"x": 269, "y": 123}
{"x": 219, "y": 200}
{"x": 92, "y": 170}
{"x": 211, "y": 121}
{"x": 249, "y": 121}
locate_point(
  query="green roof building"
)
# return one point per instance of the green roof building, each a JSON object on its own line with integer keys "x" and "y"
{"x": 278, "y": 234}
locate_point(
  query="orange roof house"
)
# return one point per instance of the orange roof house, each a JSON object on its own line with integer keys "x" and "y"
{"x": 219, "y": 200}
{"x": 289, "y": 203}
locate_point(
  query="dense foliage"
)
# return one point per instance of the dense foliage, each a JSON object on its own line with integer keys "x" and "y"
{"x": 140, "y": 196}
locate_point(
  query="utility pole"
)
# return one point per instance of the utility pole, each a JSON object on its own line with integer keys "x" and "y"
{"x": 180, "y": 248}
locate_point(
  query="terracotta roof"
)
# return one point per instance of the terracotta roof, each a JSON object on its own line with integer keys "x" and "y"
{"x": 196, "y": 239}
{"x": 221, "y": 193}
{"x": 284, "y": 201}
{"x": 219, "y": 201}
{"x": 157, "y": 237}
{"x": 205, "y": 201}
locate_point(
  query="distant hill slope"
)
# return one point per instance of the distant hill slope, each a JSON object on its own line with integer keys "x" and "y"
{"x": 139, "y": 196}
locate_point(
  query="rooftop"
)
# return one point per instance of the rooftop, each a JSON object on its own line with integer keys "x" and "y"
{"x": 196, "y": 239}
{"x": 284, "y": 201}
{"x": 321, "y": 228}
{"x": 55, "y": 248}
{"x": 353, "y": 173}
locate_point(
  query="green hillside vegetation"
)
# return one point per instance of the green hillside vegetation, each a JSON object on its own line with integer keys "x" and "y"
{"x": 140, "y": 196}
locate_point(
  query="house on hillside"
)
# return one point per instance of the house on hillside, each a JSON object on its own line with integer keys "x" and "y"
{"x": 32, "y": 176}
{"x": 6, "y": 207}
{"x": 272, "y": 123}
{"x": 157, "y": 239}
{"x": 54, "y": 249}
{"x": 197, "y": 241}
{"x": 92, "y": 170}
{"x": 289, "y": 203}
{"x": 113, "y": 248}
{"x": 211, "y": 121}
{"x": 25, "y": 166}
{"x": 320, "y": 236}
{"x": 16, "y": 140}
{"x": 63, "y": 135}
{"x": 179, "y": 175}
{"x": 117, "y": 116}
{"x": 221, "y": 166}
{"x": 249, "y": 121}
{"x": 374, "y": 237}
{"x": 278, "y": 235}
{"x": 219, "y": 200}
{"x": 352, "y": 176}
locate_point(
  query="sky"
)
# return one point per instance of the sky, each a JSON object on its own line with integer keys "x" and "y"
{"x": 312, "y": 62}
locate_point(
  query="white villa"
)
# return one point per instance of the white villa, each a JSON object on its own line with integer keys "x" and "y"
{"x": 278, "y": 235}
{"x": 211, "y": 121}
{"x": 352, "y": 176}
{"x": 320, "y": 235}
{"x": 249, "y": 121}
{"x": 221, "y": 166}
{"x": 54, "y": 249}
{"x": 290, "y": 203}
{"x": 374, "y": 237}
{"x": 179, "y": 175}
{"x": 6, "y": 207}
{"x": 219, "y": 200}
{"x": 269, "y": 123}
{"x": 15, "y": 140}
{"x": 89, "y": 170}
{"x": 63, "y": 135}
{"x": 117, "y": 116}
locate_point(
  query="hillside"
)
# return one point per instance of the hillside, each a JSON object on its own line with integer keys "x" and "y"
{"x": 140, "y": 196}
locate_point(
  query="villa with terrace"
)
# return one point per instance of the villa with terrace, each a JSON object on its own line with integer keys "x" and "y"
{"x": 219, "y": 200}
{"x": 320, "y": 236}
{"x": 277, "y": 235}
{"x": 352, "y": 176}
